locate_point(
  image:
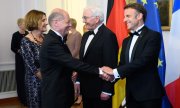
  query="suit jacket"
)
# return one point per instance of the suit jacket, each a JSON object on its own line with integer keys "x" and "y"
{"x": 56, "y": 64}
{"x": 142, "y": 78}
{"x": 102, "y": 51}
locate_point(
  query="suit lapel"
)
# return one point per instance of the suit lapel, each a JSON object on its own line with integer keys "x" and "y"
{"x": 127, "y": 50}
{"x": 83, "y": 43}
{"x": 134, "y": 48}
{"x": 54, "y": 35}
{"x": 94, "y": 40}
{"x": 142, "y": 35}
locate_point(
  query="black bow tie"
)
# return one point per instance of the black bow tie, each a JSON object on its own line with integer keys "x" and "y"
{"x": 134, "y": 33}
{"x": 91, "y": 33}
{"x": 137, "y": 33}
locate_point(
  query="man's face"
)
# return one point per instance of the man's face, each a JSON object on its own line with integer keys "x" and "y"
{"x": 65, "y": 25}
{"x": 131, "y": 17}
{"x": 89, "y": 20}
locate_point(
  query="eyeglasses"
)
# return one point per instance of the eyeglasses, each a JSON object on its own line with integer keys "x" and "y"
{"x": 86, "y": 17}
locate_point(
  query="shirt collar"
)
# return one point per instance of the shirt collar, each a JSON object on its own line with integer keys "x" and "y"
{"x": 138, "y": 29}
{"x": 58, "y": 34}
{"x": 96, "y": 29}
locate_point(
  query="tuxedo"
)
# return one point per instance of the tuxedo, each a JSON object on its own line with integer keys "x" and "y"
{"x": 141, "y": 72}
{"x": 102, "y": 51}
{"x": 57, "y": 64}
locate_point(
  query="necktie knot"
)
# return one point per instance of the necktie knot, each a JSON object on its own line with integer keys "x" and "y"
{"x": 91, "y": 33}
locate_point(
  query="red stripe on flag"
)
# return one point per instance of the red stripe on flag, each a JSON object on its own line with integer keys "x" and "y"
{"x": 115, "y": 21}
{"x": 173, "y": 92}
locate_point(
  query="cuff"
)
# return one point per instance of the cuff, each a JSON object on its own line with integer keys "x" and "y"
{"x": 100, "y": 72}
{"x": 116, "y": 74}
{"x": 77, "y": 82}
{"x": 107, "y": 93}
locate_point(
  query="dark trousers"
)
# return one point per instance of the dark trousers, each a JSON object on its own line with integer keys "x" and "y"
{"x": 96, "y": 103}
{"x": 154, "y": 103}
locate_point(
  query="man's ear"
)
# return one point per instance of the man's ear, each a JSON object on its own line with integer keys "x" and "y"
{"x": 140, "y": 16}
{"x": 97, "y": 19}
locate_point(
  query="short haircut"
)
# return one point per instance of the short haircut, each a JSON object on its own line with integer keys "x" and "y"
{"x": 96, "y": 12}
{"x": 139, "y": 8}
{"x": 73, "y": 22}
{"x": 20, "y": 21}
{"x": 33, "y": 19}
{"x": 55, "y": 16}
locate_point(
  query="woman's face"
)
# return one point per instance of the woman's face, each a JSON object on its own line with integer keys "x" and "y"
{"x": 42, "y": 25}
{"x": 22, "y": 26}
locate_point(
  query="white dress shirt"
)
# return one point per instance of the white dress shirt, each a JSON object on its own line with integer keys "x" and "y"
{"x": 90, "y": 38}
{"x": 88, "y": 42}
{"x": 86, "y": 47}
{"x": 134, "y": 39}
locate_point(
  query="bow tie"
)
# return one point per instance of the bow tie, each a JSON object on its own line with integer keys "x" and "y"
{"x": 134, "y": 33}
{"x": 91, "y": 33}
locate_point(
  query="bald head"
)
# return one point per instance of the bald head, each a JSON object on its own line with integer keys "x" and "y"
{"x": 58, "y": 10}
{"x": 59, "y": 21}
{"x": 57, "y": 14}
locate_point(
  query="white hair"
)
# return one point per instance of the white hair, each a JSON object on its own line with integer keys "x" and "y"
{"x": 96, "y": 12}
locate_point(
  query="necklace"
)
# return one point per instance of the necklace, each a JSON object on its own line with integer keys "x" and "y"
{"x": 39, "y": 42}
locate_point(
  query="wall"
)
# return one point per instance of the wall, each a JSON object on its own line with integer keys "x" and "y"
{"x": 74, "y": 8}
{"x": 10, "y": 11}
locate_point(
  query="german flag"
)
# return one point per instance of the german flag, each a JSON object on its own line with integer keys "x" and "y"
{"x": 115, "y": 16}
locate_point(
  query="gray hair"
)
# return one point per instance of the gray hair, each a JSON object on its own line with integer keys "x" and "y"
{"x": 96, "y": 12}
{"x": 55, "y": 16}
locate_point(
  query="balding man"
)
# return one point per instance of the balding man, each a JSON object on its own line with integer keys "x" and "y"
{"x": 57, "y": 64}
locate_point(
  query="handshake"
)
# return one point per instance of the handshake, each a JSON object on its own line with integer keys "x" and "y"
{"x": 107, "y": 74}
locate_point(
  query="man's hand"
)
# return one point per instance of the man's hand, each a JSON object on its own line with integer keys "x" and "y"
{"x": 107, "y": 75}
{"x": 104, "y": 96}
{"x": 76, "y": 90}
{"x": 107, "y": 70}
{"x": 38, "y": 74}
{"x": 74, "y": 76}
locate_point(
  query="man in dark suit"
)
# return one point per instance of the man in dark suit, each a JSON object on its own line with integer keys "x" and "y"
{"x": 99, "y": 47}
{"x": 139, "y": 60}
{"x": 57, "y": 63}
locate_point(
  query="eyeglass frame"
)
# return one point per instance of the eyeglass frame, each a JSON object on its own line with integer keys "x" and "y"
{"x": 86, "y": 17}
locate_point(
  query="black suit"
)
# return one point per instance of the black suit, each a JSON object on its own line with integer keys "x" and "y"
{"x": 102, "y": 51}
{"x": 56, "y": 64}
{"x": 142, "y": 79}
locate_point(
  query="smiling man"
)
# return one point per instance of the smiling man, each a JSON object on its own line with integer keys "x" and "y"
{"x": 99, "y": 47}
{"x": 139, "y": 60}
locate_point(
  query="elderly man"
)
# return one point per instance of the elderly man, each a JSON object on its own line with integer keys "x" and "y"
{"x": 57, "y": 64}
{"x": 99, "y": 47}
